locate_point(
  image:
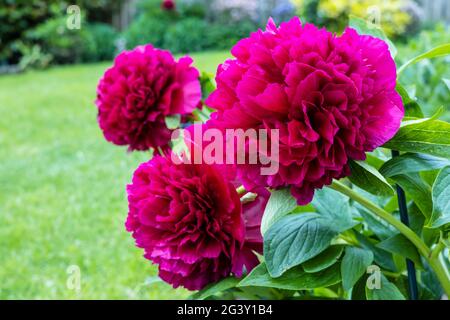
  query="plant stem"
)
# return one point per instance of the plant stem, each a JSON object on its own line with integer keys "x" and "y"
{"x": 437, "y": 250}
{"x": 434, "y": 262}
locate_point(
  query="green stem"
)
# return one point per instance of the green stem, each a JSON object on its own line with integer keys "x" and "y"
{"x": 434, "y": 262}
{"x": 437, "y": 250}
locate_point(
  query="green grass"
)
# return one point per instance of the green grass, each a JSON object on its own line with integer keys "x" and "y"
{"x": 62, "y": 192}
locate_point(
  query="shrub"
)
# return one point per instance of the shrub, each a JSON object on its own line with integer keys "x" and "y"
{"x": 146, "y": 29}
{"x": 104, "y": 37}
{"x": 426, "y": 77}
{"x": 63, "y": 44}
{"x": 187, "y": 35}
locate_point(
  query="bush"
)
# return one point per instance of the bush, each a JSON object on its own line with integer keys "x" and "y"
{"x": 222, "y": 36}
{"x": 146, "y": 29}
{"x": 187, "y": 35}
{"x": 63, "y": 44}
{"x": 104, "y": 37}
{"x": 398, "y": 17}
{"x": 426, "y": 77}
{"x": 184, "y": 30}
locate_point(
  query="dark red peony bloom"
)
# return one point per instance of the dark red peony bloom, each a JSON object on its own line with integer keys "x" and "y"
{"x": 168, "y": 5}
{"x": 190, "y": 221}
{"x": 144, "y": 86}
{"x": 332, "y": 98}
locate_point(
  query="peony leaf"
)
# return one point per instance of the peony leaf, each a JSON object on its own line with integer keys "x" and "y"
{"x": 334, "y": 207}
{"x": 280, "y": 203}
{"x": 438, "y": 51}
{"x": 441, "y": 199}
{"x": 216, "y": 288}
{"x": 363, "y": 26}
{"x": 173, "y": 122}
{"x": 295, "y": 239}
{"x": 412, "y": 162}
{"x": 382, "y": 258}
{"x": 412, "y": 108}
{"x": 400, "y": 245}
{"x": 386, "y": 291}
{"x": 324, "y": 260}
{"x": 354, "y": 265}
{"x": 294, "y": 279}
{"x": 447, "y": 82}
{"x": 429, "y": 136}
{"x": 368, "y": 178}
{"x": 418, "y": 190}
{"x": 207, "y": 84}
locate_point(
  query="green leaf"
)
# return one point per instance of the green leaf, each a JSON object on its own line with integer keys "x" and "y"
{"x": 216, "y": 288}
{"x": 381, "y": 228}
{"x": 354, "y": 265}
{"x": 382, "y": 257}
{"x": 412, "y": 108}
{"x": 363, "y": 26}
{"x": 207, "y": 84}
{"x": 334, "y": 207}
{"x": 280, "y": 203}
{"x": 438, "y": 51}
{"x": 173, "y": 122}
{"x": 368, "y": 178}
{"x": 294, "y": 279}
{"x": 412, "y": 162}
{"x": 324, "y": 260}
{"x": 400, "y": 245}
{"x": 387, "y": 291}
{"x": 441, "y": 199}
{"x": 427, "y": 136}
{"x": 418, "y": 190}
{"x": 447, "y": 82}
{"x": 295, "y": 239}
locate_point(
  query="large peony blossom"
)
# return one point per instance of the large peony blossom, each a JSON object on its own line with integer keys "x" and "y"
{"x": 332, "y": 98}
{"x": 190, "y": 221}
{"x": 144, "y": 86}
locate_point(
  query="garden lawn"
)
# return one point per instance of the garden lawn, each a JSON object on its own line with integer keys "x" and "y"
{"x": 62, "y": 192}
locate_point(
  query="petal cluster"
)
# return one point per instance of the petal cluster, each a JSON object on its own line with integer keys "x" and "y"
{"x": 139, "y": 91}
{"x": 190, "y": 221}
{"x": 331, "y": 97}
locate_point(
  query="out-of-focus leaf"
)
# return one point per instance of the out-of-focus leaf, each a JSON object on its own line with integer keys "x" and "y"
{"x": 438, "y": 51}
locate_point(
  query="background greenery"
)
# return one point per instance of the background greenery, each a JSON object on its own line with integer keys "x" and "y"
{"x": 62, "y": 191}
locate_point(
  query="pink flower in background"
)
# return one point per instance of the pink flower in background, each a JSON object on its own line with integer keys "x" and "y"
{"x": 168, "y": 5}
{"x": 190, "y": 221}
{"x": 139, "y": 91}
{"x": 332, "y": 98}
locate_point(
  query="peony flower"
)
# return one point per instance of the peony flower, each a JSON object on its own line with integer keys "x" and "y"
{"x": 332, "y": 98}
{"x": 144, "y": 86}
{"x": 190, "y": 221}
{"x": 168, "y": 5}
